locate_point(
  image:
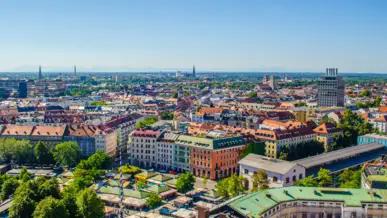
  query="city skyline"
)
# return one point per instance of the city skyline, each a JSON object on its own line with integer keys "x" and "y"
{"x": 283, "y": 36}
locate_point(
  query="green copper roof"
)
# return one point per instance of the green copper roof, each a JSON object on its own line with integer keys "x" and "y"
{"x": 253, "y": 205}
{"x": 161, "y": 178}
{"x": 158, "y": 189}
{"x": 127, "y": 192}
{"x": 210, "y": 143}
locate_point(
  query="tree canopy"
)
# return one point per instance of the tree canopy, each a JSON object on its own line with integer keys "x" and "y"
{"x": 146, "y": 122}
{"x": 51, "y": 208}
{"x": 260, "y": 180}
{"x": 67, "y": 154}
{"x": 185, "y": 182}
{"x": 231, "y": 186}
{"x": 153, "y": 200}
{"x": 42, "y": 154}
{"x": 89, "y": 204}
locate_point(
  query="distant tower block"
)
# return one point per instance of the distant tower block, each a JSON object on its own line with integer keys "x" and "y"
{"x": 75, "y": 70}
{"x": 40, "y": 73}
{"x": 193, "y": 71}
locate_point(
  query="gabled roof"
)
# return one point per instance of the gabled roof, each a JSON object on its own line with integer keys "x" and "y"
{"x": 326, "y": 128}
{"x": 382, "y": 118}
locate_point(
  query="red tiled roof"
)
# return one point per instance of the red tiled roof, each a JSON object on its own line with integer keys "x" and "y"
{"x": 327, "y": 128}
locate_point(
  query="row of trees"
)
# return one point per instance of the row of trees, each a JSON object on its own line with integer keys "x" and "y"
{"x": 302, "y": 150}
{"x": 22, "y": 152}
{"x": 347, "y": 179}
{"x": 235, "y": 185}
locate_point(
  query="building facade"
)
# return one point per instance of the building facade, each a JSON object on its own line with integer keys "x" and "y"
{"x": 291, "y": 202}
{"x": 280, "y": 173}
{"x": 331, "y": 89}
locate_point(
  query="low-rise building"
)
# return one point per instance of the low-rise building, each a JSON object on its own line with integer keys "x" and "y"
{"x": 280, "y": 173}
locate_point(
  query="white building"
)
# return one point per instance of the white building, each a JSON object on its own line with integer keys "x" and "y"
{"x": 280, "y": 173}
{"x": 106, "y": 140}
{"x": 381, "y": 123}
{"x": 164, "y": 153}
{"x": 142, "y": 147}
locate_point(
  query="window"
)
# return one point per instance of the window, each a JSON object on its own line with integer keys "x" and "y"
{"x": 246, "y": 171}
{"x": 294, "y": 178}
{"x": 300, "y": 176}
{"x": 287, "y": 180}
{"x": 275, "y": 179}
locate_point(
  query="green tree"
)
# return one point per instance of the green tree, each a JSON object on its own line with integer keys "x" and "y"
{"x": 167, "y": 115}
{"x": 260, "y": 181}
{"x": 205, "y": 181}
{"x": 153, "y": 200}
{"x": 67, "y": 154}
{"x": 51, "y": 208}
{"x": 185, "y": 182}
{"x": 175, "y": 95}
{"x": 89, "y": 204}
{"x": 146, "y": 122}
{"x": 49, "y": 188}
{"x": 252, "y": 95}
{"x": 99, "y": 160}
{"x": 324, "y": 177}
{"x": 8, "y": 188}
{"x": 377, "y": 101}
{"x": 231, "y": 186}
{"x": 22, "y": 207}
{"x": 81, "y": 182}
{"x": 350, "y": 179}
{"x": 42, "y": 154}
{"x": 307, "y": 182}
{"x": 365, "y": 93}
{"x": 24, "y": 175}
{"x": 69, "y": 198}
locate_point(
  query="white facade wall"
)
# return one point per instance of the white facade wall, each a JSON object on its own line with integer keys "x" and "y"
{"x": 276, "y": 179}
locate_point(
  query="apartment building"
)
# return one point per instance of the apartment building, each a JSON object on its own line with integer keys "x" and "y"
{"x": 123, "y": 125}
{"x": 276, "y": 139}
{"x": 142, "y": 147}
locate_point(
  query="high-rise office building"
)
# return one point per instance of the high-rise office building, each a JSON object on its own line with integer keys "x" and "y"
{"x": 22, "y": 89}
{"x": 40, "y": 73}
{"x": 75, "y": 70}
{"x": 193, "y": 71}
{"x": 331, "y": 89}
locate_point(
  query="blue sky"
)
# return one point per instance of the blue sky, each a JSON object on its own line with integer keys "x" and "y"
{"x": 256, "y": 35}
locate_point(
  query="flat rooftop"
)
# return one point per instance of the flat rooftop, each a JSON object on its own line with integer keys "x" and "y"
{"x": 344, "y": 153}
